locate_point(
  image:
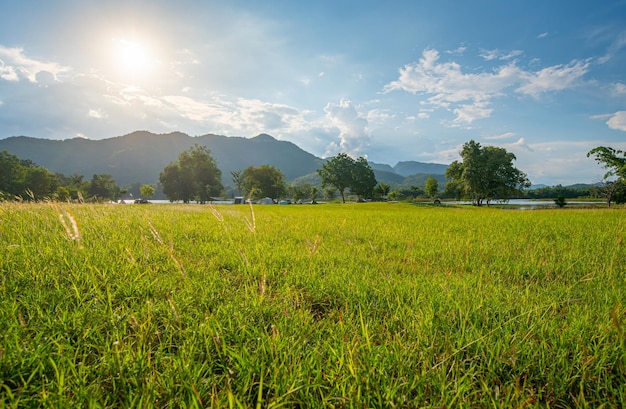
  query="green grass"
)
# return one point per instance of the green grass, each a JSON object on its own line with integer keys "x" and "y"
{"x": 368, "y": 305}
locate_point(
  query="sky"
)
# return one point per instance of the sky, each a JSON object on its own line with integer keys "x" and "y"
{"x": 388, "y": 80}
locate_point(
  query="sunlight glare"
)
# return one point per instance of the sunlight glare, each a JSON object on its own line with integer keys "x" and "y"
{"x": 133, "y": 60}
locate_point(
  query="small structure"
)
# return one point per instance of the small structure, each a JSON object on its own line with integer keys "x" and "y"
{"x": 266, "y": 200}
{"x": 239, "y": 200}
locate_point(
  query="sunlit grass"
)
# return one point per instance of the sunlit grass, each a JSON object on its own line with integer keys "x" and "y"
{"x": 368, "y": 305}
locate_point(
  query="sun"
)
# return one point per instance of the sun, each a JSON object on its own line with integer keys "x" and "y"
{"x": 134, "y": 61}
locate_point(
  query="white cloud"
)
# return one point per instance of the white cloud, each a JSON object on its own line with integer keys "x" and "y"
{"x": 619, "y": 89}
{"x": 617, "y": 121}
{"x": 506, "y": 135}
{"x": 542, "y": 35}
{"x": 7, "y": 73}
{"x": 353, "y": 130}
{"x": 555, "y": 78}
{"x": 97, "y": 114}
{"x": 468, "y": 95}
{"x": 495, "y": 54}
{"x": 16, "y": 65}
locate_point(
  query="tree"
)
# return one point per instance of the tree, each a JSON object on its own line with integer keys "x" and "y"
{"x": 263, "y": 181}
{"x": 337, "y": 172}
{"x": 343, "y": 172}
{"x": 237, "y": 176}
{"x": 614, "y": 161}
{"x": 485, "y": 174}
{"x": 194, "y": 177}
{"x": 560, "y": 201}
{"x": 431, "y": 187}
{"x": 103, "y": 187}
{"x": 363, "y": 179}
{"x": 147, "y": 191}
{"x": 383, "y": 190}
{"x": 23, "y": 177}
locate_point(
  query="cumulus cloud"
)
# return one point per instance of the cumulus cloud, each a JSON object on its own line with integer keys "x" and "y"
{"x": 14, "y": 65}
{"x": 354, "y": 135}
{"x": 617, "y": 121}
{"x": 468, "y": 95}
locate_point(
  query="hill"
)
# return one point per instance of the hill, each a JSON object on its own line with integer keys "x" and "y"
{"x": 411, "y": 168}
{"x": 139, "y": 157}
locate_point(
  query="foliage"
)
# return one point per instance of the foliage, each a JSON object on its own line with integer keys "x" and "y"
{"x": 485, "y": 174}
{"x": 147, "y": 191}
{"x": 568, "y": 192}
{"x": 263, "y": 181}
{"x": 614, "y": 160}
{"x": 23, "y": 178}
{"x": 195, "y": 176}
{"x": 560, "y": 201}
{"x": 310, "y": 306}
{"x": 431, "y": 187}
{"x": 103, "y": 187}
{"x": 343, "y": 172}
{"x": 382, "y": 190}
{"x": 363, "y": 179}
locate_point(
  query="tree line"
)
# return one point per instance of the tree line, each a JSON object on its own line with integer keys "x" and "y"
{"x": 484, "y": 174}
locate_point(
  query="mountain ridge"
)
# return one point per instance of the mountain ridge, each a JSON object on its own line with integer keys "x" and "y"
{"x": 140, "y": 156}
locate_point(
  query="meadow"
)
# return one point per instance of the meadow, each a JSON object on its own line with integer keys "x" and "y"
{"x": 356, "y": 305}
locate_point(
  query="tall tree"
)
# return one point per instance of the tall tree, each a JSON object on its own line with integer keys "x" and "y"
{"x": 263, "y": 181}
{"x": 363, "y": 179}
{"x": 195, "y": 176}
{"x": 343, "y": 173}
{"x": 431, "y": 187}
{"x": 614, "y": 181}
{"x": 337, "y": 172}
{"x": 102, "y": 186}
{"x": 485, "y": 174}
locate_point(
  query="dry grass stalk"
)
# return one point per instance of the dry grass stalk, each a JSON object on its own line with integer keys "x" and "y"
{"x": 70, "y": 225}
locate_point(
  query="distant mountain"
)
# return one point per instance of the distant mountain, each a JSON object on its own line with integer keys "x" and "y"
{"x": 411, "y": 168}
{"x": 141, "y": 156}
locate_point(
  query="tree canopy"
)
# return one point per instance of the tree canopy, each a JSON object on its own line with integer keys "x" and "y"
{"x": 485, "y": 174}
{"x": 343, "y": 172}
{"x": 23, "y": 178}
{"x": 614, "y": 184}
{"x": 195, "y": 176}
{"x": 262, "y": 181}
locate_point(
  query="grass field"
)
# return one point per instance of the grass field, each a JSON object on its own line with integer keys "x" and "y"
{"x": 357, "y": 305}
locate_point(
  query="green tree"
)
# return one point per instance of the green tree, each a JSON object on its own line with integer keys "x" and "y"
{"x": 195, "y": 176}
{"x": 103, "y": 187}
{"x": 363, "y": 179}
{"x": 560, "y": 201}
{"x": 11, "y": 174}
{"x": 382, "y": 189}
{"x": 431, "y": 187}
{"x": 237, "y": 176}
{"x": 485, "y": 174}
{"x": 614, "y": 161}
{"x": 147, "y": 191}
{"x": 337, "y": 172}
{"x": 263, "y": 181}
{"x": 22, "y": 177}
{"x": 343, "y": 173}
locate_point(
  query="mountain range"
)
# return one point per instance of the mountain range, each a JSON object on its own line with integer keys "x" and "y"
{"x": 139, "y": 157}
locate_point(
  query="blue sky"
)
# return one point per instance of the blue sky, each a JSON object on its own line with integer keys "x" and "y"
{"x": 392, "y": 81}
